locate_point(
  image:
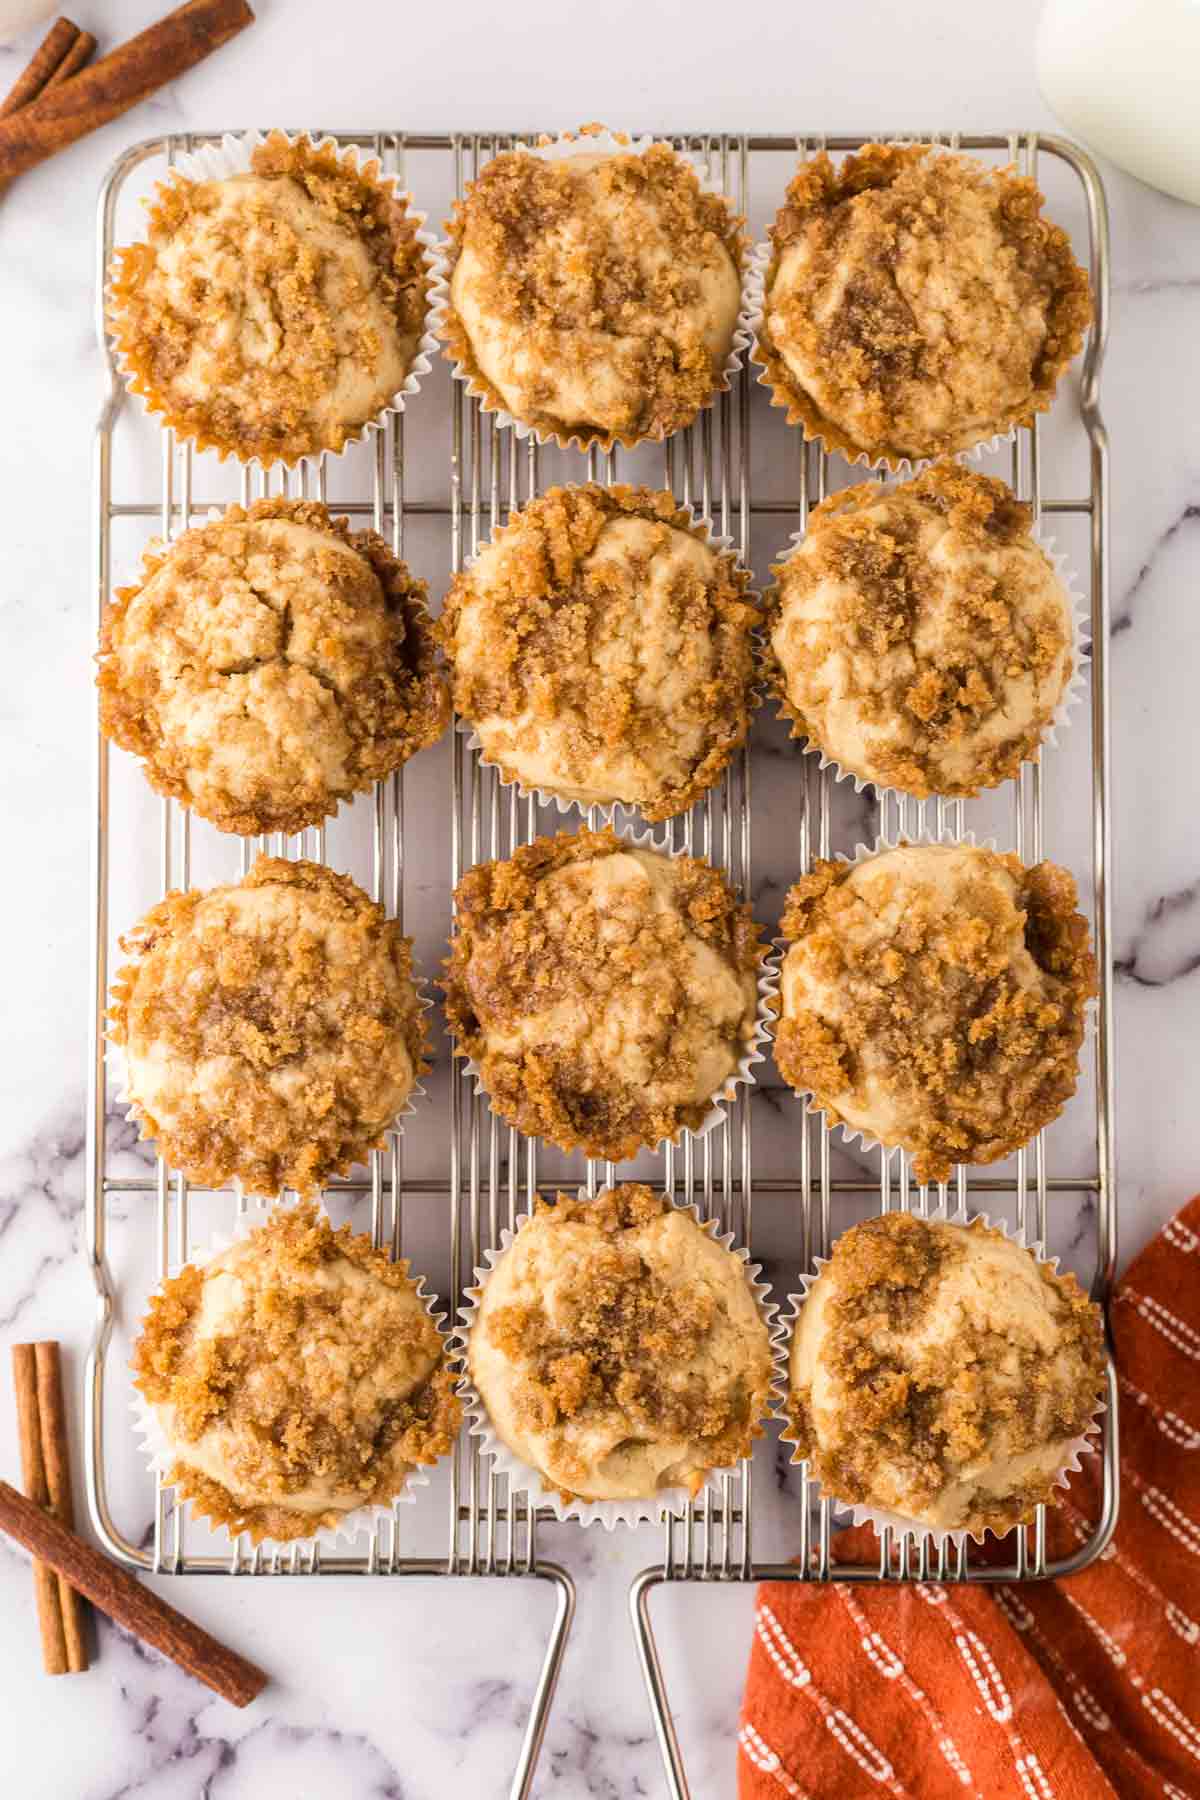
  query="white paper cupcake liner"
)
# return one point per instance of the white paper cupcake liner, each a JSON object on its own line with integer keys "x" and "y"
{"x": 608, "y": 143}
{"x": 880, "y": 1517}
{"x": 524, "y": 1477}
{"x": 608, "y": 810}
{"x": 232, "y": 156}
{"x": 764, "y": 1019}
{"x": 1072, "y": 694}
{"x": 853, "y": 1137}
{"x": 159, "y": 1454}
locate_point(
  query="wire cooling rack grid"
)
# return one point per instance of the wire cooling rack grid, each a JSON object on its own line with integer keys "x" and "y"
{"x": 435, "y": 481}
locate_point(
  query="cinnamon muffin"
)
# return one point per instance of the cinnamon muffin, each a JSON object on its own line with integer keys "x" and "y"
{"x": 295, "y": 1376}
{"x": 594, "y": 297}
{"x": 933, "y": 997}
{"x": 273, "y": 314}
{"x": 606, "y": 993}
{"x": 271, "y": 1029}
{"x": 601, "y": 649}
{"x": 618, "y": 1349}
{"x": 270, "y": 664}
{"x": 916, "y": 302}
{"x": 920, "y": 637}
{"x": 943, "y": 1373}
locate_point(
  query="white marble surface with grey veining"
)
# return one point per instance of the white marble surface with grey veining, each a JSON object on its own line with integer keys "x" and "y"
{"x": 417, "y": 1690}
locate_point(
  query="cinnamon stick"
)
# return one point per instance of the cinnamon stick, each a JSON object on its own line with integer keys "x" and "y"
{"x": 79, "y": 53}
{"x": 56, "y": 1460}
{"x": 47, "y": 58}
{"x": 125, "y": 1600}
{"x": 106, "y": 89}
{"x": 33, "y": 1473}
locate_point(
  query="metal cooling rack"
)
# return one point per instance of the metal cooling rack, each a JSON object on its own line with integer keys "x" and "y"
{"x": 493, "y": 1173}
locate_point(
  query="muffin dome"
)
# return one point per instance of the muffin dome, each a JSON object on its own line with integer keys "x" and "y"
{"x": 933, "y": 997}
{"x": 618, "y": 1349}
{"x": 920, "y": 636}
{"x": 601, "y": 649}
{"x": 270, "y": 664}
{"x": 916, "y": 302}
{"x": 271, "y": 1029}
{"x": 941, "y": 1372}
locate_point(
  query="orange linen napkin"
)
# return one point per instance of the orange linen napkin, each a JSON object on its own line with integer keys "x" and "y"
{"x": 1066, "y": 1690}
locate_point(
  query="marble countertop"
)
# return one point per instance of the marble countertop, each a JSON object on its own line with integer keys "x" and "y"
{"x": 413, "y": 1690}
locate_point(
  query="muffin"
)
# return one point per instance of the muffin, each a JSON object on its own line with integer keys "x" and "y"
{"x": 270, "y": 664}
{"x": 294, "y": 1378}
{"x": 940, "y": 1372}
{"x": 933, "y": 997}
{"x": 594, "y": 297}
{"x": 275, "y": 312}
{"x": 271, "y": 1030}
{"x": 920, "y": 637}
{"x": 606, "y": 993}
{"x": 618, "y": 1349}
{"x": 601, "y": 648}
{"x": 916, "y": 302}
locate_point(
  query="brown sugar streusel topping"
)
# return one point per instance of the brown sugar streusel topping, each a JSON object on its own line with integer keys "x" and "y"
{"x": 600, "y": 291}
{"x": 271, "y": 1029}
{"x": 607, "y": 993}
{"x": 603, "y": 650}
{"x": 919, "y": 635}
{"x": 916, "y": 302}
{"x": 933, "y": 997}
{"x": 625, "y": 1352}
{"x": 273, "y": 314}
{"x": 954, "y": 1370}
{"x": 321, "y": 1387}
{"x": 269, "y": 664}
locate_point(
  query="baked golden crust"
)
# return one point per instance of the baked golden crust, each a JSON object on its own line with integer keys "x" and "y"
{"x": 594, "y": 298}
{"x": 919, "y": 636}
{"x": 941, "y": 1372}
{"x": 602, "y": 649}
{"x": 934, "y": 997}
{"x": 273, "y": 314}
{"x": 271, "y": 1028}
{"x": 270, "y": 664}
{"x": 619, "y": 1349}
{"x": 304, "y": 1366}
{"x": 606, "y": 993}
{"x": 916, "y": 302}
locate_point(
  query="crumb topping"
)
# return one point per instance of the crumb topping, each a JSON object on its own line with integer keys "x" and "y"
{"x": 941, "y": 1372}
{"x": 917, "y": 302}
{"x": 272, "y": 314}
{"x": 618, "y": 1349}
{"x": 271, "y": 1029}
{"x": 297, "y": 1375}
{"x": 601, "y": 649}
{"x": 933, "y": 997}
{"x": 607, "y": 993}
{"x": 269, "y": 664}
{"x": 920, "y": 636}
{"x": 594, "y": 296}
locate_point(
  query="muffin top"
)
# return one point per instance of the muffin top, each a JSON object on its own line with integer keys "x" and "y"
{"x": 916, "y": 302}
{"x": 601, "y": 649}
{"x": 297, "y": 1376}
{"x": 594, "y": 296}
{"x": 271, "y": 1029}
{"x": 606, "y": 993}
{"x": 618, "y": 1349}
{"x": 272, "y": 314}
{"x": 941, "y": 1372}
{"x": 269, "y": 664}
{"x": 920, "y": 637}
{"x": 934, "y": 998}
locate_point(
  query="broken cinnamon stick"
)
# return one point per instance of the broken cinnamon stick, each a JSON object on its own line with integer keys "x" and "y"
{"x": 33, "y": 1474}
{"x": 68, "y": 111}
{"x": 125, "y": 1600}
{"x": 56, "y": 1460}
{"x": 58, "y": 42}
